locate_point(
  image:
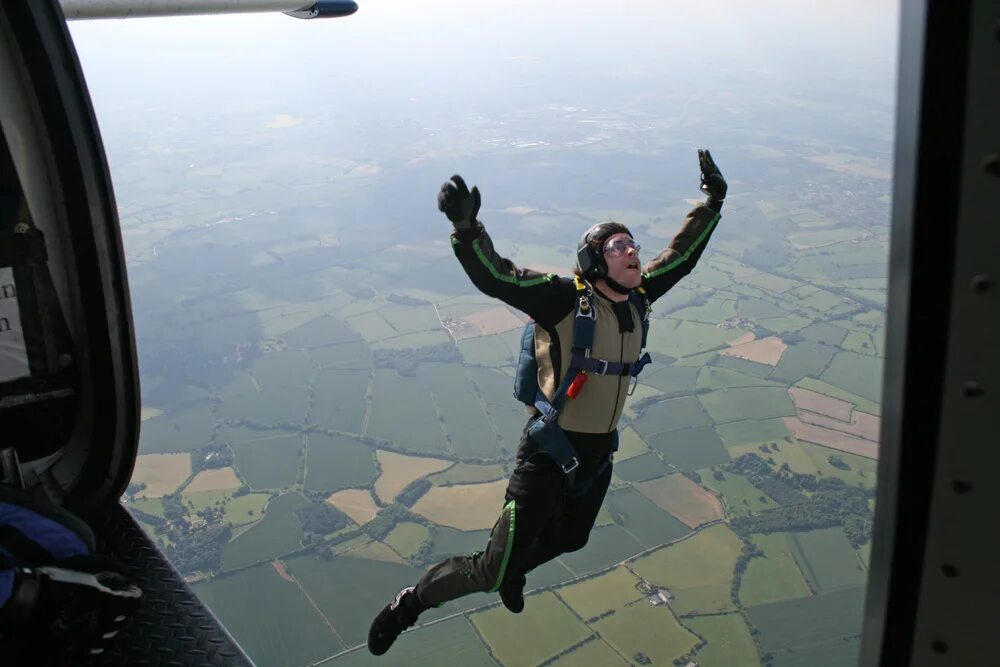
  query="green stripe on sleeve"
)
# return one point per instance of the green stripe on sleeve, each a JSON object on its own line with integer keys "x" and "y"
{"x": 687, "y": 253}
{"x": 505, "y": 278}
{"x": 510, "y": 545}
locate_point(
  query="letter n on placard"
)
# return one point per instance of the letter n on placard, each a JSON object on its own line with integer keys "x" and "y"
{"x": 13, "y": 354}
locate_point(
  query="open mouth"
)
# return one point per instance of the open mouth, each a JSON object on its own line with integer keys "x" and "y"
{"x": 633, "y": 265}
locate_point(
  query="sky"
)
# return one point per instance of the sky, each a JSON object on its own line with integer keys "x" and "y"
{"x": 392, "y": 50}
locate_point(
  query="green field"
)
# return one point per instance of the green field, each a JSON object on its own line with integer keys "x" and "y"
{"x": 269, "y": 464}
{"x": 753, "y": 432}
{"x": 713, "y": 311}
{"x": 408, "y": 319}
{"x": 729, "y": 405}
{"x": 407, "y": 538}
{"x": 863, "y": 470}
{"x": 670, "y": 415}
{"x": 152, "y": 506}
{"x": 485, "y": 351}
{"x": 404, "y": 412}
{"x": 830, "y": 654}
{"x": 698, "y": 570}
{"x": 739, "y": 496}
{"x": 372, "y": 327}
{"x": 179, "y": 431}
{"x": 295, "y": 636}
{"x": 449, "y": 541}
{"x": 780, "y": 452}
{"x": 687, "y": 338}
{"x": 860, "y": 374}
{"x": 670, "y": 379}
{"x": 825, "y": 333}
{"x": 199, "y": 500}
{"x": 728, "y": 641}
{"x": 337, "y": 462}
{"x": 452, "y": 642}
{"x": 809, "y": 622}
{"x": 350, "y": 591}
{"x": 455, "y": 399}
{"x": 593, "y": 597}
{"x": 629, "y": 631}
{"x": 642, "y": 518}
{"x": 325, "y": 330}
{"x": 515, "y": 640}
{"x": 801, "y": 360}
{"x": 495, "y": 390}
{"x": 630, "y": 445}
{"x": 860, "y": 342}
{"x": 827, "y": 559}
{"x": 343, "y": 356}
{"x": 744, "y": 366}
{"x": 715, "y": 377}
{"x": 283, "y": 400}
{"x": 594, "y": 652}
{"x": 245, "y": 509}
{"x": 339, "y": 399}
{"x": 605, "y": 546}
{"x": 759, "y": 309}
{"x": 774, "y": 577}
{"x": 276, "y": 534}
{"x": 641, "y": 468}
{"x": 691, "y": 448}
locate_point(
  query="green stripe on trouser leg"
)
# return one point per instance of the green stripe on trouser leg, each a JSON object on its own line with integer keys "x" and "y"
{"x": 509, "y": 508}
{"x": 479, "y": 572}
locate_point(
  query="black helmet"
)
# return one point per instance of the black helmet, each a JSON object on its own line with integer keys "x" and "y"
{"x": 590, "y": 250}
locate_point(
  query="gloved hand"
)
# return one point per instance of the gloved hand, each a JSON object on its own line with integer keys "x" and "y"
{"x": 460, "y": 205}
{"x": 712, "y": 182}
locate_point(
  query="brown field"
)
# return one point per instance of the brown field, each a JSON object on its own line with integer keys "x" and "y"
{"x": 742, "y": 340}
{"x": 683, "y": 498}
{"x": 162, "y": 473}
{"x": 813, "y": 401}
{"x": 862, "y": 424}
{"x": 764, "y": 351}
{"x": 487, "y": 322}
{"x": 463, "y": 506}
{"x": 214, "y": 480}
{"x": 355, "y": 503}
{"x": 398, "y": 470}
{"x": 282, "y": 572}
{"x": 832, "y": 439}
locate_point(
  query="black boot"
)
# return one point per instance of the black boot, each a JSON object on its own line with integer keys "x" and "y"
{"x": 512, "y": 593}
{"x": 395, "y": 617}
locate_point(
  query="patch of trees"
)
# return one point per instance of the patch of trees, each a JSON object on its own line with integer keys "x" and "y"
{"x": 359, "y": 291}
{"x": 198, "y": 550}
{"x": 837, "y": 461}
{"x": 413, "y": 491}
{"x": 404, "y": 300}
{"x": 212, "y": 456}
{"x": 135, "y": 488}
{"x": 832, "y": 502}
{"x": 386, "y": 520}
{"x": 173, "y": 509}
{"x": 321, "y": 518}
{"x": 405, "y": 361}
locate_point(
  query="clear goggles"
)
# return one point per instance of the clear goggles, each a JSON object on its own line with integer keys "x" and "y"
{"x": 620, "y": 246}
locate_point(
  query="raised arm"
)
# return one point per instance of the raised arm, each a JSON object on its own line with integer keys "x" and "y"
{"x": 546, "y": 298}
{"x": 680, "y": 257}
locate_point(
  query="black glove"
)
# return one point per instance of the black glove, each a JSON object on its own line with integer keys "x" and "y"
{"x": 712, "y": 182}
{"x": 460, "y": 205}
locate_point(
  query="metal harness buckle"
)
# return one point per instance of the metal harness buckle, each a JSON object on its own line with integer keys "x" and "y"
{"x": 571, "y": 466}
{"x": 602, "y": 366}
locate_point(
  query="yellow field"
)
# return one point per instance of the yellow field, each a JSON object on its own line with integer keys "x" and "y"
{"x": 375, "y": 551}
{"x": 398, "y": 470}
{"x": 162, "y": 473}
{"x": 355, "y": 503}
{"x": 698, "y": 571}
{"x": 593, "y": 597}
{"x": 464, "y": 506}
{"x": 683, "y": 498}
{"x": 214, "y": 480}
{"x": 764, "y": 351}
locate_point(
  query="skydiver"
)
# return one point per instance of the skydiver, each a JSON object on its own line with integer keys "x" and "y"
{"x": 551, "y": 505}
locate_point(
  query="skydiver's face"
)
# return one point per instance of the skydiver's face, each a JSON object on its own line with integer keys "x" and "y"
{"x": 622, "y": 255}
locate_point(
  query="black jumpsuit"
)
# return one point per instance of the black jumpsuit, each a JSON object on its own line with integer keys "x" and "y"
{"x": 540, "y": 520}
